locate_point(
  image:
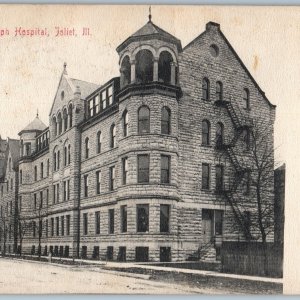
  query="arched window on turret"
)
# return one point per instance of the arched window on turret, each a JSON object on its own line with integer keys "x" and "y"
{"x": 205, "y": 133}
{"x": 125, "y": 71}
{"x": 59, "y": 122}
{"x": 65, "y": 118}
{"x": 144, "y": 66}
{"x": 165, "y": 120}
{"x": 143, "y": 120}
{"x": 54, "y": 126}
{"x": 112, "y": 136}
{"x": 164, "y": 67}
{"x": 70, "y": 114}
{"x": 125, "y": 123}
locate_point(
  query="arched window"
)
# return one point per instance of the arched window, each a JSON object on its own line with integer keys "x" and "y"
{"x": 65, "y": 117}
{"x": 205, "y": 132}
{"x": 164, "y": 67}
{"x": 125, "y": 123}
{"x": 112, "y": 136}
{"x": 99, "y": 141}
{"x": 65, "y": 155}
{"x": 21, "y": 177}
{"x": 205, "y": 89}
{"x": 87, "y": 147}
{"x": 69, "y": 154}
{"x": 59, "y": 122}
{"x": 219, "y": 134}
{"x": 165, "y": 120}
{"x": 219, "y": 91}
{"x": 125, "y": 71}
{"x": 143, "y": 120}
{"x": 54, "y": 126}
{"x": 70, "y": 114}
{"x": 58, "y": 160}
{"x": 246, "y": 98}
{"x": 54, "y": 161}
{"x": 144, "y": 66}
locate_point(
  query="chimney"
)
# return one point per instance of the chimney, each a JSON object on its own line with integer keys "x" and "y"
{"x": 212, "y": 26}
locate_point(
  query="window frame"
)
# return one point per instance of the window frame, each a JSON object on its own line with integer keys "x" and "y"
{"x": 141, "y": 171}
{"x": 144, "y": 121}
{"x": 207, "y": 185}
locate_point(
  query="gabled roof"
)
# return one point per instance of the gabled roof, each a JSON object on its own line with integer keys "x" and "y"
{"x": 86, "y": 88}
{"x": 216, "y": 25}
{"x": 35, "y": 125}
{"x": 150, "y": 31}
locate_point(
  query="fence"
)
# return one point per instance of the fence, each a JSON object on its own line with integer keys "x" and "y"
{"x": 248, "y": 258}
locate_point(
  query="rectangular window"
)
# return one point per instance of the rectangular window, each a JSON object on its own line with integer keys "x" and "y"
{"x": 10, "y": 207}
{"x": 124, "y": 218}
{"x": 91, "y": 107}
{"x": 62, "y": 221}
{"x": 97, "y": 222}
{"x": 42, "y": 170}
{"x": 86, "y": 185}
{"x": 34, "y": 228}
{"x": 165, "y": 169}
{"x": 110, "y": 95}
{"x": 164, "y": 218}
{"x": 96, "y": 104}
{"x": 205, "y": 176}
{"x": 219, "y": 177}
{"x": 34, "y": 201}
{"x": 218, "y": 222}
{"x": 65, "y": 190}
{"x": 142, "y": 217}
{"x": 46, "y": 227}
{"x": 54, "y": 194}
{"x": 52, "y": 226}
{"x": 124, "y": 169}
{"x": 40, "y": 228}
{"x": 111, "y": 216}
{"x": 57, "y": 192}
{"x": 143, "y": 168}
{"x": 85, "y": 224}
{"x": 112, "y": 178}
{"x": 41, "y": 199}
{"x": 68, "y": 225}
{"x": 98, "y": 182}
{"x": 35, "y": 173}
{"x": 57, "y": 226}
{"x": 103, "y": 99}
{"x": 68, "y": 189}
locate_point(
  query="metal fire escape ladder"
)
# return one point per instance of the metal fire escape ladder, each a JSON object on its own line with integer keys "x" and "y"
{"x": 240, "y": 171}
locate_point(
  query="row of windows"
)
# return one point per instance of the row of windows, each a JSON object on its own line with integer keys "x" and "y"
{"x": 36, "y": 171}
{"x": 142, "y": 219}
{"x": 219, "y": 172}
{"x": 219, "y": 139}
{"x": 219, "y": 92}
{"x": 143, "y": 172}
{"x": 66, "y": 158}
{"x": 63, "y": 121}
{"x": 101, "y": 101}
{"x": 8, "y": 209}
{"x": 143, "y": 127}
{"x": 59, "y": 226}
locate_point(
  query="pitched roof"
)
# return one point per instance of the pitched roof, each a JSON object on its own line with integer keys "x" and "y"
{"x": 86, "y": 88}
{"x": 35, "y": 125}
{"x": 150, "y": 30}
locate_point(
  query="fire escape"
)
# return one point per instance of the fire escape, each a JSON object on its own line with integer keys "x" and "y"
{"x": 241, "y": 123}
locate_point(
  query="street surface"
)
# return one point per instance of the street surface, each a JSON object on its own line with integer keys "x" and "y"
{"x": 23, "y": 277}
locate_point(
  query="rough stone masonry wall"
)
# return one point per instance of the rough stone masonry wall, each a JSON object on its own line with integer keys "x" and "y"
{"x": 195, "y": 63}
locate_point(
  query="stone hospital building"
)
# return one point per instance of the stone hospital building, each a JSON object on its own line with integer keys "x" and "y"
{"x": 145, "y": 167}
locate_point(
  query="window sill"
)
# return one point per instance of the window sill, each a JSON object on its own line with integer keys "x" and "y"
{"x": 206, "y": 190}
{"x": 206, "y": 146}
{"x": 247, "y": 109}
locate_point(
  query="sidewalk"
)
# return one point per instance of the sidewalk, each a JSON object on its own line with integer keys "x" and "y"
{"x": 131, "y": 267}
{"x": 112, "y": 265}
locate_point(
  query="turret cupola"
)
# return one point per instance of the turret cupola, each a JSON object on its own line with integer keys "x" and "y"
{"x": 149, "y": 56}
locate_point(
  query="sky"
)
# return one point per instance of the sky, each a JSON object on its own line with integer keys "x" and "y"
{"x": 265, "y": 39}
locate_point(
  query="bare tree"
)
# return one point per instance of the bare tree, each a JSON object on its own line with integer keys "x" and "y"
{"x": 23, "y": 227}
{"x": 4, "y": 229}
